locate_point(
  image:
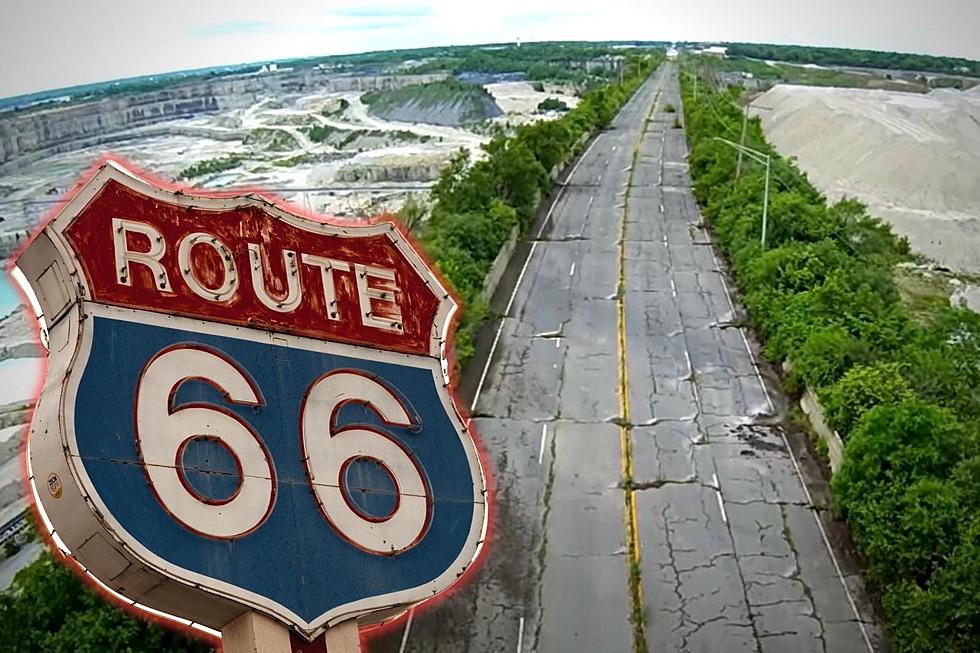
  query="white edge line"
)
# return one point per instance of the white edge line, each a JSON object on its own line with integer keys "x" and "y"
{"x": 741, "y": 330}
{"x": 571, "y": 272}
{"x": 826, "y": 541}
{"x": 500, "y": 328}
{"x": 796, "y": 467}
{"x": 520, "y": 278}
{"x": 486, "y": 366}
{"x": 721, "y": 502}
{"x": 520, "y": 636}
{"x": 544, "y": 437}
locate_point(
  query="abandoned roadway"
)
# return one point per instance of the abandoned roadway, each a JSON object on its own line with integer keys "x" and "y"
{"x": 640, "y": 471}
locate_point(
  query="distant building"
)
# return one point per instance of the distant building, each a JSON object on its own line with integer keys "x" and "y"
{"x": 716, "y": 51}
{"x": 273, "y": 68}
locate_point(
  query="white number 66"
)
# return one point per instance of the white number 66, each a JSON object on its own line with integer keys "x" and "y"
{"x": 162, "y": 433}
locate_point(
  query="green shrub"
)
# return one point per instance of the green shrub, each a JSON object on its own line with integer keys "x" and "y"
{"x": 826, "y": 354}
{"x": 943, "y": 615}
{"x": 901, "y": 489}
{"x": 943, "y": 363}
{"x": 862, "y": 388}
{"x": 907, "y": 532}
{"x": 895, "y": 446}
{"x": 320, "y": 133}
{"x": 211, "y": 166}
{"x": 795, "y": 267}
{"x": 551, "y": 104}
{"x": 49, "y": 609}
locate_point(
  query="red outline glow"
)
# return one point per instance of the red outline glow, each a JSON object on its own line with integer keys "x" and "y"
{"x": 448, "y": 354}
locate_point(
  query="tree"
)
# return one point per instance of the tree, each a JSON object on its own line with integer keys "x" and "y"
{"x": 826, "y": 354}
{"x": 516, "y": 176}
{"x": 551, "y": 104}
{"x": 48, "y": 609}
{"x": 549, "y": 141}
{"x": 897, "y": 445}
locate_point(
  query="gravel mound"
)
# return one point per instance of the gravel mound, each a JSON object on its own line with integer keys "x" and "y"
{"x": 914, "y": 159}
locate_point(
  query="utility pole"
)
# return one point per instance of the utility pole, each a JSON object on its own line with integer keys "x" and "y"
{"x": 765, "y": 203}
{"x": 761, "y": 157}
{"x": 745, "y": 124}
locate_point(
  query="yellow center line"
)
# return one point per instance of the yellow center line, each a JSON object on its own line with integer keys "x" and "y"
{"x": 626, "y": 444}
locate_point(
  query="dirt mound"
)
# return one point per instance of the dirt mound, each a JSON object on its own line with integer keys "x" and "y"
{"x": 447, "y": 102}
{"x": 914, "y": 159}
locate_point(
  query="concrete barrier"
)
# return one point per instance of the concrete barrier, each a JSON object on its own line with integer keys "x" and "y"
{"x": 499, "y": 265}
{"x": 835, "y": 446}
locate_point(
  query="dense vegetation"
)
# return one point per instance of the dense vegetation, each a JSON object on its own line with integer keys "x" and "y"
{"x": 796, "y": 74}
{"x": 48, "y": 609}
{"x": 857, "y": 58}
{"x": 551, "y": 104}
{"x": 904, "y": 393}
{"x": 477, "y": 204}
{"x": 341, "y": 138}
{"x": 210, "y": 166}
{"x": 560, "y": 61}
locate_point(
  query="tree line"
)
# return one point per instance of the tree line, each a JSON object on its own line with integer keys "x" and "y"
{"x": 856, "y": 58}
{"x": 902, "y": 390}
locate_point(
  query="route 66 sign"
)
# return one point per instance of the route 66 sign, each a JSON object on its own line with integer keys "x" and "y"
{"x": 248, "y": 409}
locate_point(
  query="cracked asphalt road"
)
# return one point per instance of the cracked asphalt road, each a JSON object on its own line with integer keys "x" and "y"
{"x": 731, "y": 555}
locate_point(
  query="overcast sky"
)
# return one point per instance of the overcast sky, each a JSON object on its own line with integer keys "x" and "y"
{"x": 54, "y": 43}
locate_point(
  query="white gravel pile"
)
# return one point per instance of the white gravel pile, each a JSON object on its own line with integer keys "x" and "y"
{"x": 913, "y": 159}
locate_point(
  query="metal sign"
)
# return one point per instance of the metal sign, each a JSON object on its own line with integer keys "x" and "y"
{"x": 246, "y": 409}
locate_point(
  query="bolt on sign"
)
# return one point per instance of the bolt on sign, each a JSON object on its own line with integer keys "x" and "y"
{"x": 247, "y": 410}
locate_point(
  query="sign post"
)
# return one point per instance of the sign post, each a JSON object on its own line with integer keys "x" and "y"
{"x": 246, "y": 422}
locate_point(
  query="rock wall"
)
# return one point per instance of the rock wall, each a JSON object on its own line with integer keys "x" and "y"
{"x": 391, "y": 172}
{"x": 451, "y": 113}
{"x": 74, "y": 126}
